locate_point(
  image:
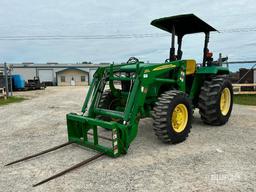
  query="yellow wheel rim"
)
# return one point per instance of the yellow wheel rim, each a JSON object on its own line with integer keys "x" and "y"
{"x": 225, "y": 100}
{"x": 179, "y": 118}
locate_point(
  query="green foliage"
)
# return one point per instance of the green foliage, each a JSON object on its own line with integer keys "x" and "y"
{"x": 245, "y": 99}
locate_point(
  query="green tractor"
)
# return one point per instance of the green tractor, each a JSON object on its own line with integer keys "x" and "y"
{"x": 121, "y": 95}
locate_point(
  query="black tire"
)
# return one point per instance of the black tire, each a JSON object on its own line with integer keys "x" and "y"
{"x": 108, "y": 101}
{"x": 162, "y": 116}
{"x": 209, "y": 101}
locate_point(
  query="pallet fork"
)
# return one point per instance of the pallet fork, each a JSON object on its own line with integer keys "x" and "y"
{"x": 62, "y": 172}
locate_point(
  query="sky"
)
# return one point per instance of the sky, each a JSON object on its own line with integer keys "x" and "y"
{"x": 115, "y": 17}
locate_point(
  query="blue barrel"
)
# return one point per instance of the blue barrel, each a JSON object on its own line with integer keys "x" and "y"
{"x": 18, "y": 82}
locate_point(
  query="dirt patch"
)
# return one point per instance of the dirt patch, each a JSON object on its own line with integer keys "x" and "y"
{"x": 211, "y": 159}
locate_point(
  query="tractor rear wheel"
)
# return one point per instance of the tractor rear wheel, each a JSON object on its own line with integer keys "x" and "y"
{"x": 172, "y": 116}
{"x": 216, "y": 101}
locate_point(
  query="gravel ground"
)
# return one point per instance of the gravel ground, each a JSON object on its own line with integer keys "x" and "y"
{"x": 211, "y": 159}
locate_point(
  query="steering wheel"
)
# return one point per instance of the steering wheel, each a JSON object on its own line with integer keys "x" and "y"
{"x": 133, "y": 60}
{"x": 167, "y": 60}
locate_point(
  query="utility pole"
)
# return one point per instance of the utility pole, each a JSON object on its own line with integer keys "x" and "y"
{"x": 6, "y": 80}
{"x": 10, "y": 74}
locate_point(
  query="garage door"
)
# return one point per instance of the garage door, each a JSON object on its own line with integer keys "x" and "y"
{"x": 45, "y": 75}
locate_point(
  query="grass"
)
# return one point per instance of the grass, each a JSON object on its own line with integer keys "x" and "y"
{"x": 238, "y": 99}
{"x": 12, "y": 99}
{"x": 245, "y": 99}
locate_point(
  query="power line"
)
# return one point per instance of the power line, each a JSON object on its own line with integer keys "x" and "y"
{"x": 238, "y": 30}
{"x": 99, "y": 37}
{"x": 81, "y": 37}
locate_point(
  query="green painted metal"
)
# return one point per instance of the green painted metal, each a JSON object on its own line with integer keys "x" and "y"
{"x": 115, "y": 114}
{"x": 212, "y": 70}
{"x": 162, "y": 80}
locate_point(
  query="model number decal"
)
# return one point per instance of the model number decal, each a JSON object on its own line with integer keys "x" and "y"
{"x": 164, "y": 67}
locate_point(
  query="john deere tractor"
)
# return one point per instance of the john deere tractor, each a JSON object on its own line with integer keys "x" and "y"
{"x": 121, "y": 95}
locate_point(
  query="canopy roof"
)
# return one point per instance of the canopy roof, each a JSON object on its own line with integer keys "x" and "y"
{"x": 184, "y": 24}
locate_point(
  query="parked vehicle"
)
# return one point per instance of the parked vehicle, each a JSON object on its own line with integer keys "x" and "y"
{"x": 34, "y": 84}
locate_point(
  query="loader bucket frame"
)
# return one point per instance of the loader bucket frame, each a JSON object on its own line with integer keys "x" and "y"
{"x": 78, "y": 127}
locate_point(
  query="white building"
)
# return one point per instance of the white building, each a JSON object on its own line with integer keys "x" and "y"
{"x": 72, "y": 77}
{"x": 56, "y": 74}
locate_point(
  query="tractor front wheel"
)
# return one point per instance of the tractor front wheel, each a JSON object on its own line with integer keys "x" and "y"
{"x": 172, "y": 117}
{"x": 110, "y": 102}
{"x": 216, "y": 101}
